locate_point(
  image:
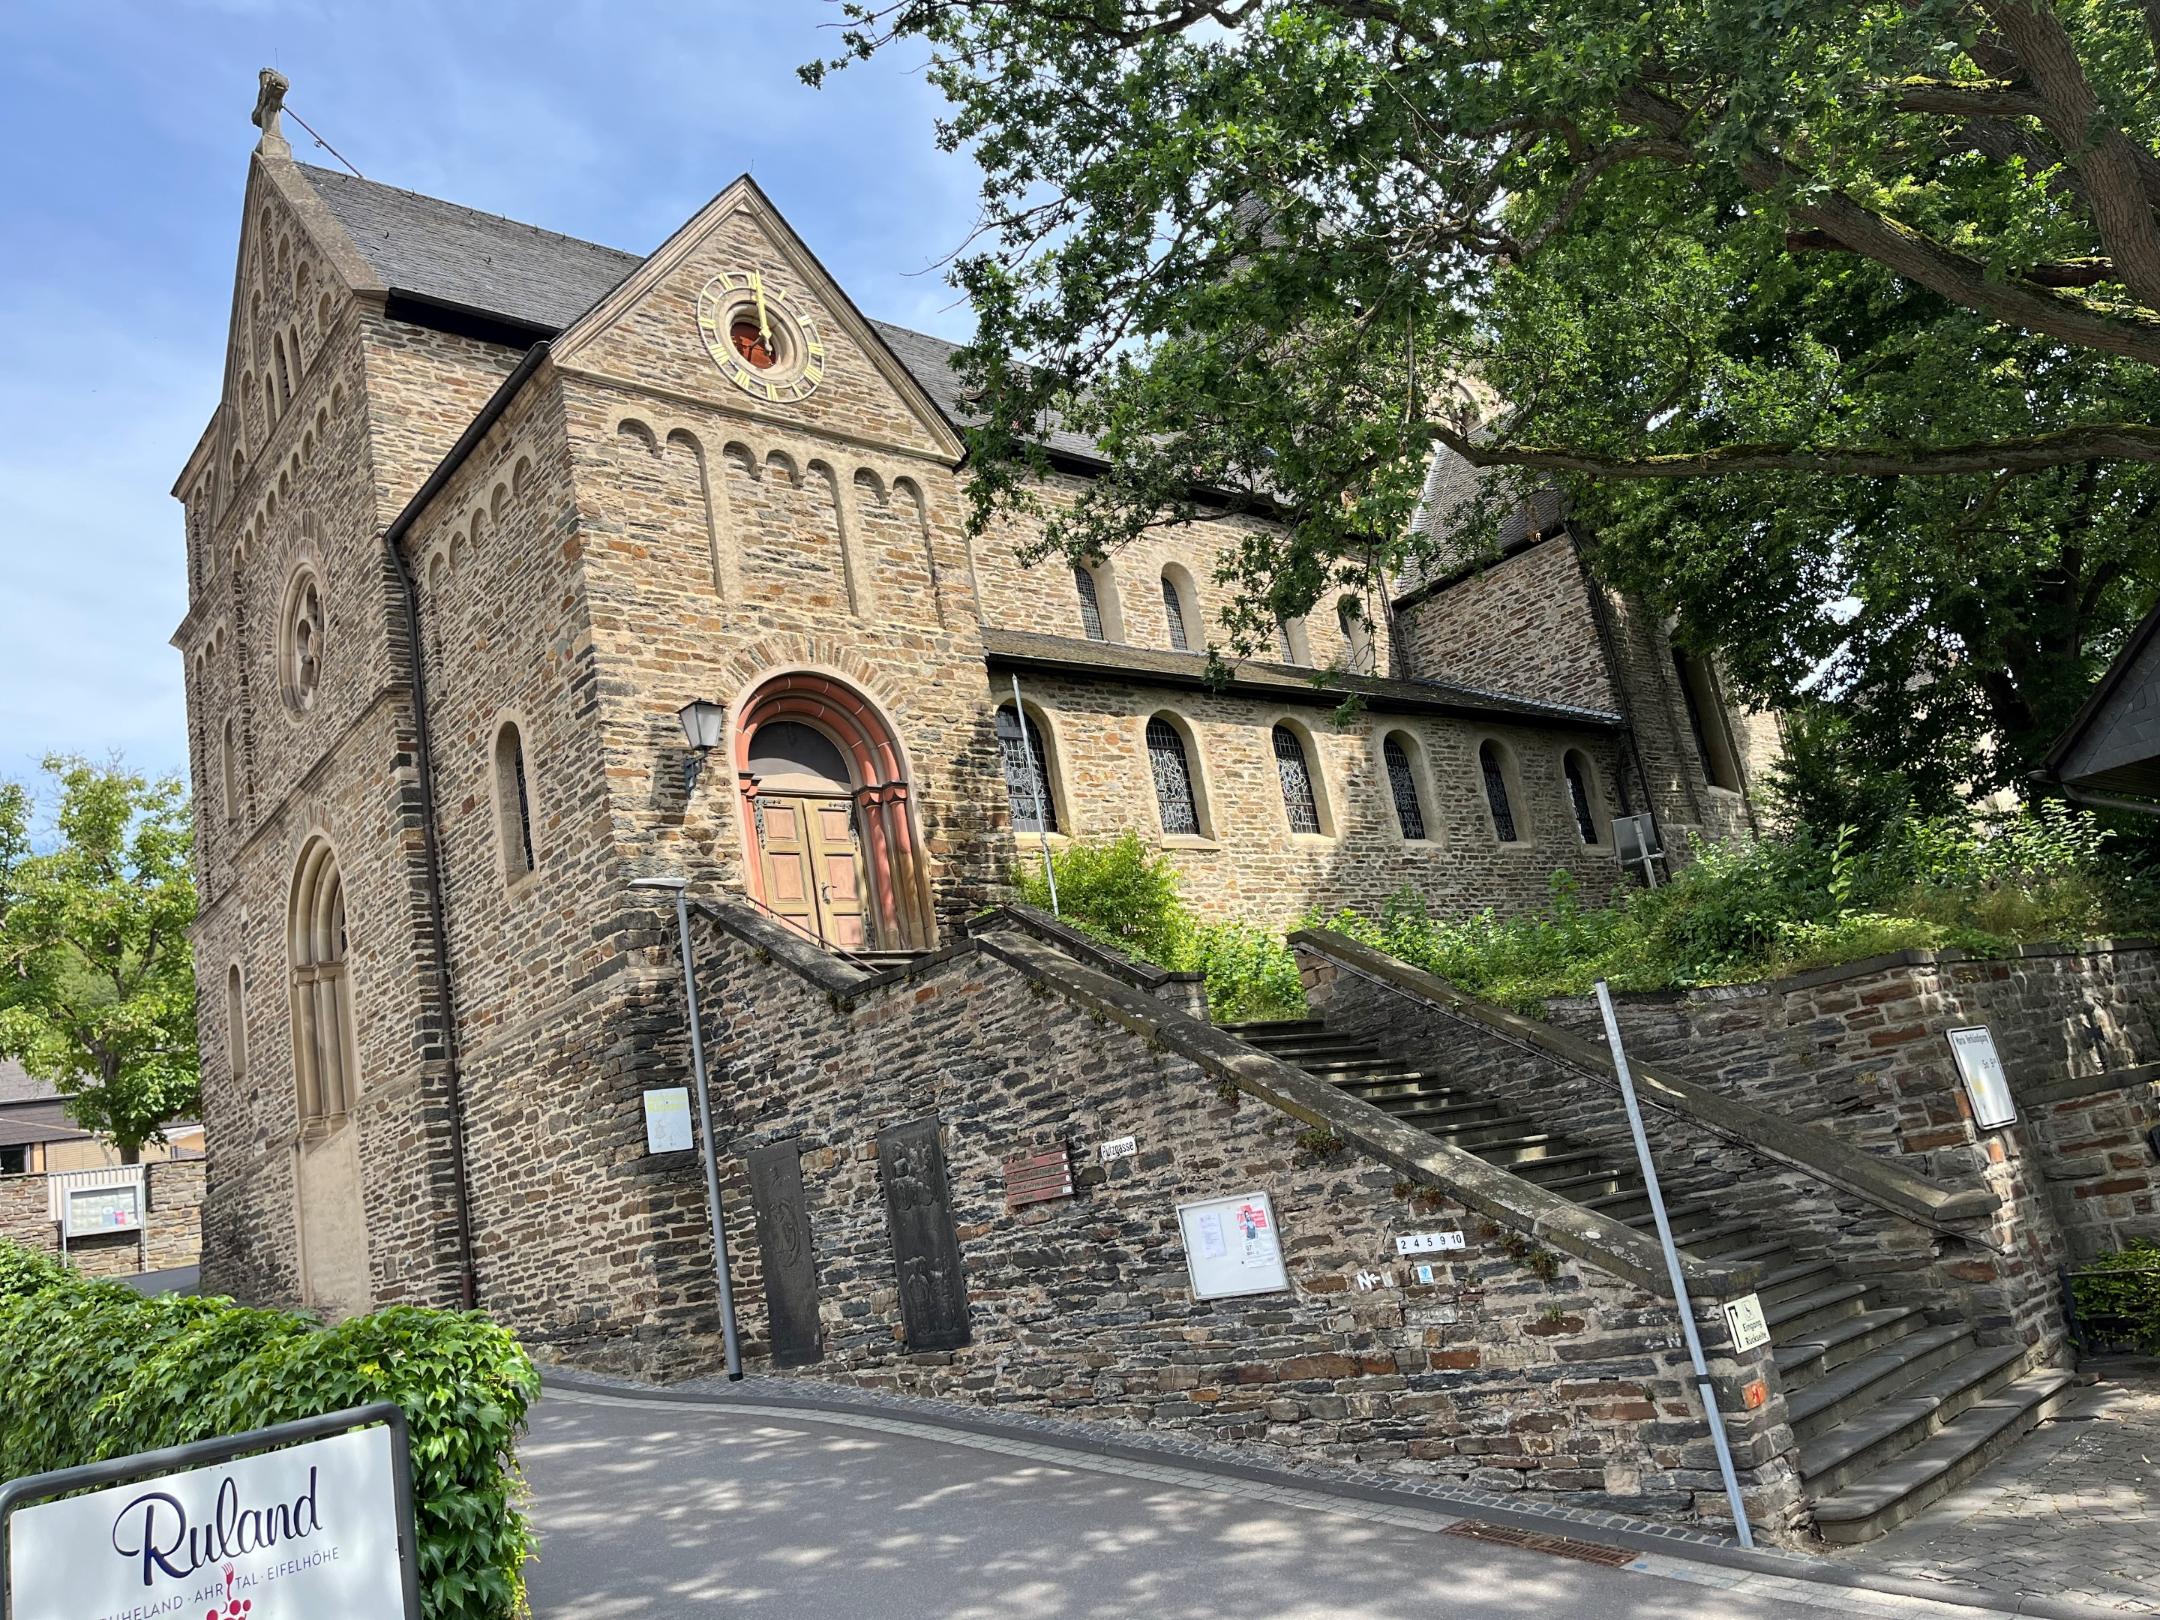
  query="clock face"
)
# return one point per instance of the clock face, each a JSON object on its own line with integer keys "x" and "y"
{"x": 768, "y": 345}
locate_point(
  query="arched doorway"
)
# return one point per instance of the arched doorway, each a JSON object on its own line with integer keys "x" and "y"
{"x": 830, "y": 836}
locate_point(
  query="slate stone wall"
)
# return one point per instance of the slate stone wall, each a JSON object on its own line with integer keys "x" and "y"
{"x": 171, "y": 1233}
{"x": 1515, "y": 1367}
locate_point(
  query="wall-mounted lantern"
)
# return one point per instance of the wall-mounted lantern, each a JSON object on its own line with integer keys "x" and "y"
{"x": 704, "y": 723}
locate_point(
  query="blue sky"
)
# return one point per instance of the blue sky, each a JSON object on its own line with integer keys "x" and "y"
{"x": 124, "y": 140}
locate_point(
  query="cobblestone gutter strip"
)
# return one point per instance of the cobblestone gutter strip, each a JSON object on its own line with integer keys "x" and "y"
{"x": 1671, "y": 1550}
{"x": 1802, "y": 1147}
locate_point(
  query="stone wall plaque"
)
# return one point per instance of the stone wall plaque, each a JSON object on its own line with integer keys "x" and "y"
{"x": 926, "y": 1251}
{"x": 784, "y": 1249}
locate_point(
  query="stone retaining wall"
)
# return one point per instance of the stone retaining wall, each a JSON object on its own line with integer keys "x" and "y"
{"x": 1520, "y": 1365}
{"x": 171, "y": 1233}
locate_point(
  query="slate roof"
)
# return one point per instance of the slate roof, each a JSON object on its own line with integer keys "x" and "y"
{"x": 1113, "y": 660}
{"x": 18, "y": 1086}
{"x": 2113, "y": 746}
{"x": 1451, "y": 484}
{"x": 23, "y": 1132}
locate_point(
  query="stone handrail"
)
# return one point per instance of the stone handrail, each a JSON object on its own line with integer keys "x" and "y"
{"x": 1806, "y": 1148}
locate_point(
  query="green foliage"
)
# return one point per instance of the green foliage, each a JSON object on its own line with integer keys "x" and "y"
{"x": 97, "y": 983}
{"x": 1126, "y": 895}
{"x": 1787, "y": 904}
{"x": 2118, "y": 1295}
{"x": 92, "y": 1370}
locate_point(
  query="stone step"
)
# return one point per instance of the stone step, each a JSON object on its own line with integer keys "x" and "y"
{"x": 1346, "y": 1066}
{"x": 1856, "y": 1448}
{"x": 1413, "y": 1084}
{"x": 1469, "y": 1134}
{"x": 1436, "y": 1102}
{"x": 1765, "y": 1250}
{"x": 1857, "y": 1385}
{"x": 1725, "y": 1241}
{"x": 1593, "y": 1184}
{"x": 1799, "y": 1318}
{"x": 1685, "y": 1218}
{"x": 1258, "y": 1029}
{"x": 1786, "y": 1278}
{"x": 1931, "y": 1470}
{"x": 1802, "y": 1360}
{"x": 1536, "y": 1161}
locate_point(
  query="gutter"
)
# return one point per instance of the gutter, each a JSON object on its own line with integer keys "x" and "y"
{"x": 424, "y": 760}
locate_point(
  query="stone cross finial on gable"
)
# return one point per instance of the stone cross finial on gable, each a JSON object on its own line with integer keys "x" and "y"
{"x": 269, "y": 103}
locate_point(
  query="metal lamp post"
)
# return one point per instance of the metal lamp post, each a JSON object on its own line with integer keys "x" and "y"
{"x": 679, "y": 887}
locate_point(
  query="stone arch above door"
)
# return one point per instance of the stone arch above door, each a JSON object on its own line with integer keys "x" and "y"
{"x": 839, "y": 859}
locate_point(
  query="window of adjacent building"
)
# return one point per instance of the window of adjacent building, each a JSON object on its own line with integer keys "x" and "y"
{"x": 1300, "y": 803}
{"x": 230, "y": 767}
{"x": 1492, "y": 765}
{"x": 1577, "y": 771}
{"x": 1403, "y": 787}
{"x": 15, "y": 1161}
{"x": 1175, "y": 801}
{"x": 325, "y": 1055}
{"x": 300, "y": 643}
{"x": 1173, "y": 609}
{"x": 1090, "y": 603}
{"x": 1706, "y": 718}
{"x": 513, "y": 803}
{"x": 1027, "y": 774}
{"x": 236, "y": 1053}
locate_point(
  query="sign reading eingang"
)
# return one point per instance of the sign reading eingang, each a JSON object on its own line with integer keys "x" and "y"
{"x": 301, "y": 1521}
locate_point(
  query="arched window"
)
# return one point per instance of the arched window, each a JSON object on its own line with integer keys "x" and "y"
{"x": 1706, "y": 716}
{"x": 231, "y": 768}
{"x": 236, "y": 1057}
{"x": 325, "y": 1059}
{"x": 1295, "y": 772}
{"x": 1357, "y": 637}
{"x": 1492, "y": 766}
{"x": 1403, "y": 787}
{"x": 1027, "y": 774}
{"x": 513, "y": 804}
{"x": 300, "y": 648}
{"x": 1175, "y": 800}
{"x": 1282, "y": 641}
{"x": 1577, "y": 771}
{"x": 1090, "y": 605}
{"x": 1173, "y": 612}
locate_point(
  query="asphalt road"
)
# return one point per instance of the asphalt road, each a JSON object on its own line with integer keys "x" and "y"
{"x": 655, "y": 1511}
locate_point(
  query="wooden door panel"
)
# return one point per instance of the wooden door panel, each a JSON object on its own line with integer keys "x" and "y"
{"x": 785, "y": 856}
{"x": 836, "y": 866}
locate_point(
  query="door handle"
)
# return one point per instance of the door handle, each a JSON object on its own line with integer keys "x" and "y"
{"x": 825, "y": 889}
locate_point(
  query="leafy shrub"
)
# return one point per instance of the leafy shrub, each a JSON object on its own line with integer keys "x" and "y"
{"x": 92, "y": 1370}
{"x": 2118, "y": 1296}
{"x": 1126, "y": 895}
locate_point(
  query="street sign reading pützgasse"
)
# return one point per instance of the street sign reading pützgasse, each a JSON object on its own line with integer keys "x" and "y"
{"x": 301, "y": 1521}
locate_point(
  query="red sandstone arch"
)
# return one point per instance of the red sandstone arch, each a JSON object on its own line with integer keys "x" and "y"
{"x": 897, "y": 875}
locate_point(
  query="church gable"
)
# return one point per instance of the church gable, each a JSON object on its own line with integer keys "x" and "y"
{"x": 734, "y": 311}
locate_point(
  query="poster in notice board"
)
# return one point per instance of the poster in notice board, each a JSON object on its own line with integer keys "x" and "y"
{"x": 1232, "y": 1246}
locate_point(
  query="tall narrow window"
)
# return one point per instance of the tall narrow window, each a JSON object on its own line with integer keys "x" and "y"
{"x": 1090, "y": 608}
{"x": 1173, "y": 612}
{"x": 284, "y": 373}
{"x": 1027, "y": 774}
{"x": 1283, "y": 643}
{"x": 236, "y": 1053}
{"x": 1578, "y": 792}
{"x": 1174, "y": 798}
{"x": 230, "y": 768}
{"x": 1496, "y": 792}
{"x": 513, "y": 804}
{"x": 1402, "y": 785}
{"x": 1357, "y": 638}
{"x": 1706, "y": 717}
{"x": 325, "y": 1061}
{"x": 1295, "y": 771}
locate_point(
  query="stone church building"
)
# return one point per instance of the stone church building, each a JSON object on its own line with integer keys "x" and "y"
{"x": 482, "y": 508}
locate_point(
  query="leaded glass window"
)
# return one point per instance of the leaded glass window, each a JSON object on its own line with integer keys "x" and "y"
{"x": 1496, "y": 794}
{"x": 1090, "y": 609}
{"x": 1402, "y": 783}
{"x": 1578, "y": 792}
{"x": 1027, "y": 774}
{"x": 1173, "y": 778}
{"x": 1174, "y": 614}
{"x": 1297, "y": 786}
{"x": 1283, "y": 643}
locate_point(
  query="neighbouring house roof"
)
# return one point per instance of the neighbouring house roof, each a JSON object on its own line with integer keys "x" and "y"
{"x": 19, "y": 1132}
{"x": 2112, "y": 748}
{"x": 1115, "y": 660}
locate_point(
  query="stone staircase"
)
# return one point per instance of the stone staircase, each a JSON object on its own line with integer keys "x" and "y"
{"x": 1892, "y": 1406}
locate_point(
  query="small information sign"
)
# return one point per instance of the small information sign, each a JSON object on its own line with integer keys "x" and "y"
{"x": 1037, "y": 1178}
{"x": 1744, "y": 1321}
{"x": 1120, "y": 1147}
{"x": 1429, "y": 1242}
{"x": 667, "y": 1120}
{"x": 91, "y": 1210}
{"x": 1232, "y": 1246}
{"x": 1987, "y": 1087}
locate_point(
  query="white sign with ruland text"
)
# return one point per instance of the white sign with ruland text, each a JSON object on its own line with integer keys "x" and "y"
{"x": 1745, "y": 1322}
{"x": 309, "y": 1533}
{"x": 1980, "y": 1067}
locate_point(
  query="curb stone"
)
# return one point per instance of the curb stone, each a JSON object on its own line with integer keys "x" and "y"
{"x": 1665, "y": 1541}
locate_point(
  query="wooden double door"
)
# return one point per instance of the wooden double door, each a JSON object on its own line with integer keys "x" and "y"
{"x": 810, "y": 847}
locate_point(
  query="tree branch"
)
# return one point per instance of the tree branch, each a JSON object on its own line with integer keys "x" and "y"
{"x": 1986, "y": 98}
{"x": 2063, "y": 273}
{"x": 2034, "y": 452}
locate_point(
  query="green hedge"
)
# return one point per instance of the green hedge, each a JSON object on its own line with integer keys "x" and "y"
{"x": 2118, "y": 1297}
{"x": 92, "y": 1370}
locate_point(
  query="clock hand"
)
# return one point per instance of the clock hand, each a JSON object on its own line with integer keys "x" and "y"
{"x": 757, "y": 285}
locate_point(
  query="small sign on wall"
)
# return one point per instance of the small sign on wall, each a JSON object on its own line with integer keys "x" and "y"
{"x": 667, "y": 1120}
{"x": 1987, "y": 1087}
{"x": 1119, "y": 1147}
{"x": 1232, "y": 1246}
{"x": 91, "y": 1210}
{"x": 1429, "y": 1242}
{"x": 1037, "y": 1178}
{"x": 1744, "y": 1320}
